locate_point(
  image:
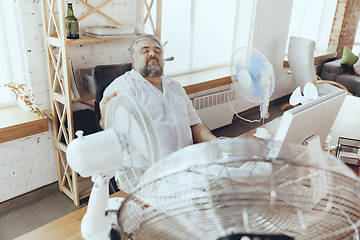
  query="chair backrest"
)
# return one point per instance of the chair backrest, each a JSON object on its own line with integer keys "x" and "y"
{"x": 301, "y": 61}
{"x": 103, "y": 75}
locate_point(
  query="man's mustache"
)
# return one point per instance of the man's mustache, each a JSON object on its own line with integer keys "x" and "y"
{"x": 152, "y": 57}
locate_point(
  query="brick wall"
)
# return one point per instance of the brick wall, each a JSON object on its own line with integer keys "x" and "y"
{"x": 345, "y": 25}
{"x": 29, "y": 163}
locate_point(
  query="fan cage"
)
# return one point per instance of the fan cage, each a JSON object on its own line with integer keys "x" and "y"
{"x": 259, "y": 69}
{"x": 137, "y": 136}
{"x": 210, "y": 190}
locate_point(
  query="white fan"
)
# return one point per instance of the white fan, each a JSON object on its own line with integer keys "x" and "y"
{"x": 253, "y": 76}
{"x": 129, "y": 146}
{"x": 229, "y": 189}
{"x": 310, "y": 94}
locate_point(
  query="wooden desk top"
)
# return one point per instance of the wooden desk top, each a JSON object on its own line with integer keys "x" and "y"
{"x": 347, "y": 123}
{"x": 67, "y": 227}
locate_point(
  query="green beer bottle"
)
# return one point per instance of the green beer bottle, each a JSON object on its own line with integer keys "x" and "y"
{"x": 72, "y": 25}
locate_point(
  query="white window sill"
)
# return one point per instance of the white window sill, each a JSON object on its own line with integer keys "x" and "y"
{"x": 17, "y": 123}
{"x": 319, "y": 56}
{"x": 204, "y": 80}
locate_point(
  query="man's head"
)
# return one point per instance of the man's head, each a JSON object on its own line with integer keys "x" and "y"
{"x": 147, "y": 56}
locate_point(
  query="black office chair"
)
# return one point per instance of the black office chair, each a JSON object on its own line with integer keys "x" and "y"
{"x": 103, "y": 75}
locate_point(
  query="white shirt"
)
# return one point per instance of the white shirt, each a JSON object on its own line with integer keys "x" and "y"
{"x": 171, "y": 110}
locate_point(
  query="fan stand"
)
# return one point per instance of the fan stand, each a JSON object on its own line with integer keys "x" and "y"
{"x": 262, "y": 132}
{"x": 99, "y": 218}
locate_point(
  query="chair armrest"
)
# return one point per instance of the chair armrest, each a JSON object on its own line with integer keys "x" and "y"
{"x": 331, "y": 70}
{"x": 332, "y": 83}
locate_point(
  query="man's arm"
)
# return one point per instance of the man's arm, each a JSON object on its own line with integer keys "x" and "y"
{"x": 201, "y": 133}
{"x": 103, "y": 104}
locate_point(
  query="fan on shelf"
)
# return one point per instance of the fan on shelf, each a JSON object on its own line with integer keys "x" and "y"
{"x": 253, "y": 77}
{"x": 230, "y": 188}
{"x": 128, "y": 146}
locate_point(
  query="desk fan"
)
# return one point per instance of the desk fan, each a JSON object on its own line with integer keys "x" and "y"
{"x": 253, "y": 77}
{"x": 310, "y": 94}
{"x": 230, "y": 189}
{"x": 129, "y": 146}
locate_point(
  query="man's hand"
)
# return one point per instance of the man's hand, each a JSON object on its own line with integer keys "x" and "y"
{"x": 103, "y": 103}
{"x": 201, "y": 133}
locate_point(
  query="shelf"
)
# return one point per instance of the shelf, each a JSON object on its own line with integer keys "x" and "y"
{"x": 93, "y": 40}
{"x": 86, "y": 96}
{"x": 61, "y": 103}
{"x": 85, "y": 186}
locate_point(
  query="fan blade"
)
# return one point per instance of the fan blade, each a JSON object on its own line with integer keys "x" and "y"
{"x": 310, "y": 92}
{"x": 256, "y": 64}
{"x": 296, "y": 97}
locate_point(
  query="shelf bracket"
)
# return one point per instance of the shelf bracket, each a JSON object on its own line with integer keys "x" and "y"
{"x": 93, "y": 10}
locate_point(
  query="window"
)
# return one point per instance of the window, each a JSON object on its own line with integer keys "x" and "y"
{"x": 203, "y": 34}
{"x": 11, "y": 57}
{"x": 356, "y": 47}
{"x": 313, "y": 20}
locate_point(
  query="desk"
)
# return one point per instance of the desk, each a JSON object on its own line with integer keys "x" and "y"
{"x": 346, "y": 124}
{"x": 67, "y": 227}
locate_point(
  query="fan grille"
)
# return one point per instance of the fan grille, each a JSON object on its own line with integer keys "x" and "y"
{"x": 211, "y": 190}
{"x": 137, "y": 136}
{"x": 252, "y": 74}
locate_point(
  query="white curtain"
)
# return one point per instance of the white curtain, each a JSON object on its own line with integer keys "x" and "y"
{"x": 202, "y": 34}
{"x": 11, "y": 56}
{"x": 312, "y": 20}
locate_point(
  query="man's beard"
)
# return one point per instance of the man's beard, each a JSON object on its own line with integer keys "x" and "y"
{"x": 152, "y": 70}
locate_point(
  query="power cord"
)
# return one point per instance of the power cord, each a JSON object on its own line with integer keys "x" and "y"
{"x": 244, "y": 119}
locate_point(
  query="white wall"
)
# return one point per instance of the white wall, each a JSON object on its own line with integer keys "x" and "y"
{"x": 29, "y": 163}
{"x": 270, "y": 35}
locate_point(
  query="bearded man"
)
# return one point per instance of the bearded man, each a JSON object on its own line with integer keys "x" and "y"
{"x": 175, "y": 119}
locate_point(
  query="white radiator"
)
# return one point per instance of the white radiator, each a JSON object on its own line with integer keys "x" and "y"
{"x": 215, "y": 110}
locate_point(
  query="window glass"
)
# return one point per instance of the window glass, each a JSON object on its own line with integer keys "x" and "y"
{"x": 11, "y": 59}
{"x": 6, "y": 96}
{"x": 312, "y": 20}
{"x": 202, "y": 34}
{"x": 213, "y": 34}
{"x": 356, "y": 47}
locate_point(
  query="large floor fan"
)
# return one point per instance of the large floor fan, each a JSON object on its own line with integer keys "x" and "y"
{"x": 127, "y": 147}
{"x": 231, "y": 189}
{"x": 253, "y": 77}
